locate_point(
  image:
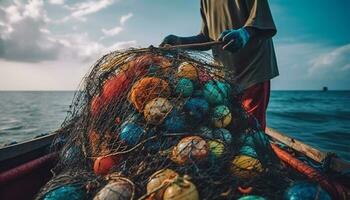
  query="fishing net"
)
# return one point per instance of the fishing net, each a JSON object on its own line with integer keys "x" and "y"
{"x": 162, "y": 124}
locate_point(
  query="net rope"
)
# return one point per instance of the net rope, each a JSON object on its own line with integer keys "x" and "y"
{"x": 151, "y": 109}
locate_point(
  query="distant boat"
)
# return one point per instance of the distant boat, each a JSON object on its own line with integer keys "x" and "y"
{"x": 325, "y": 89}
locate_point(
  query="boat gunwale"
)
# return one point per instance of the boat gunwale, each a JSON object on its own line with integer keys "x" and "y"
{"x": 12, "y": 151}
{"x": 336, "y": 164}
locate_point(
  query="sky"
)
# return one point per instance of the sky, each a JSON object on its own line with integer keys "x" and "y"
{"x": 52, "y": 44}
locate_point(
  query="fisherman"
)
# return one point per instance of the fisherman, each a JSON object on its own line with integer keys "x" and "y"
{"x": 246, "y": 28}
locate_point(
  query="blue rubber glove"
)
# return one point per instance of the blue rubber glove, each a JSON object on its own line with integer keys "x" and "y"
{"x": 234, "y": 40}
{"x": 171, "y": 40}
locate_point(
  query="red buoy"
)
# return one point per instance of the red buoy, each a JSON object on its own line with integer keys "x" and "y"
{"x": 104, "y": 164}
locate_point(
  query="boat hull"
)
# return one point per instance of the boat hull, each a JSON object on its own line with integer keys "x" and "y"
{"x": 25, "y": 168}
{"x": 24, "y": 181}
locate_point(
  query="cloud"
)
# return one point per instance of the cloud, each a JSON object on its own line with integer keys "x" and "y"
{"x": 80, "y": 10}
{"x": 113, "y": 31}
{"x": 12, "y": 13}
{"x": 335, "y": 61}
{"x": 311, "y": 65}
{"x": 125, "y": 18}
{"x": 25, "y": 37}
{"x": 56, "y": 2}
{"x": 22, "y": 37}
{"x": 116, "y": 30}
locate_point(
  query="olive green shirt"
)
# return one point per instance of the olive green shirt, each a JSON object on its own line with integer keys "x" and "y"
{"x": 254, "y": 63}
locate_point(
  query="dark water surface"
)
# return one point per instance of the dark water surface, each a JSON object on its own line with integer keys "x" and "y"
{"x": 321, "y": 119}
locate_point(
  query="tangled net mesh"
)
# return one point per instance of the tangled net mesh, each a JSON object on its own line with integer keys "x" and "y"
{"x": 170, "y": 112}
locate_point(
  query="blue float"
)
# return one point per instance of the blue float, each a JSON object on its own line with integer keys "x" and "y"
{"x": 152, "y": 145}
{"x": 196, "y": 109}
{"x": 306, "y": 191}
{"x": 175, "y": 122}
{"x": 131, "y": 133}
{"x": 66, "y": 192}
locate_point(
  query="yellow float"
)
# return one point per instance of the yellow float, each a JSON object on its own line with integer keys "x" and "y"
{"x": 216, "y": 148}
{"x": 187, "y": 70}
{"x": 181, "y": 189}
{"x": 156, "y": 181}
{"x": 246, "y": 167}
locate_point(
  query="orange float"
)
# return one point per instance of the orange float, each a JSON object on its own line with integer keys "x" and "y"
{"x": 147, "y": 89}
{"x": 115, "y": 87}
{"x": 163, "y": 62}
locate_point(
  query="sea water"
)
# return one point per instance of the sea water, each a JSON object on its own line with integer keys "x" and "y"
{"x": 321, "y": 119}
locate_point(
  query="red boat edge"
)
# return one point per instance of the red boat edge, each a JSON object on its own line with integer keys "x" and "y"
{"x": 25, "y": 167}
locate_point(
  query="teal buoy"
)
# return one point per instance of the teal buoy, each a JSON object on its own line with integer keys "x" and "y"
{"x": 184, "y": 87}
{"x": 221, "y": 116}
{"x": 306, "y": 191}
{"x": 66, "y": 192}
{"x": 256, "y": 140}
{"x": 223, "y": 135}
{"x": 131, "y": 134}
{"x": 248, "y": 151}
{"x": 252, "y": 197}
{"x": 216, "y": 92}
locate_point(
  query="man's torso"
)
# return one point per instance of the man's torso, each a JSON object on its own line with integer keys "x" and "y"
{"x": 256, "y": 62}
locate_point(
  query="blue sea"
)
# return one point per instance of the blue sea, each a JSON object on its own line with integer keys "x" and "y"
{"x": 321, "y": 119}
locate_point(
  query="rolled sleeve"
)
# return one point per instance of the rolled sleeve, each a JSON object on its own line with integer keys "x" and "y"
{"x": 260, "y": 18}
